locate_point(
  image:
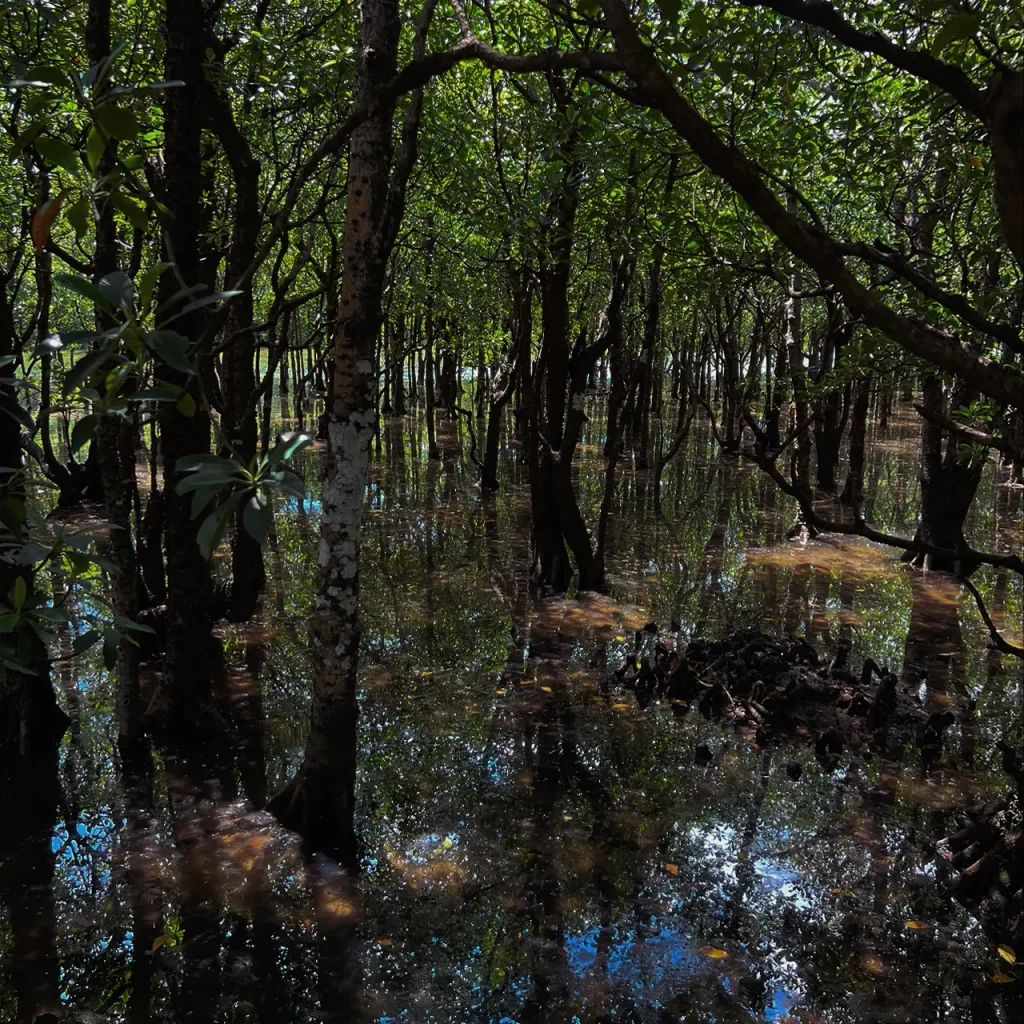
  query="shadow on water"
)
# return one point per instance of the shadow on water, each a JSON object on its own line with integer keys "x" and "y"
{"x": 536, "y": 845}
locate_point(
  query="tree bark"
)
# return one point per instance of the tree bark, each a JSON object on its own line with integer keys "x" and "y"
{"x": 182, "y": 697}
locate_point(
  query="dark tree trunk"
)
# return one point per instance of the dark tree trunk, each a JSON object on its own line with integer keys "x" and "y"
{"x": 114, "y": 450}
{"x": 948, "y": 483}
{"x": 853, "y": 492}
{"x": 238, "y": 370}
{"x": 182, "y": 697}
{"x": 833, "y": 409}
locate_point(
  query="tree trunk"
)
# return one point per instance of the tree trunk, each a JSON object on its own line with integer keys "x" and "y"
{"x": 319, "y": 801}
{"x": 238, "y": 370}
{"x": 853, "y": 492}
{"x": 948, "y": 483}
{"x": 182, "y": 697}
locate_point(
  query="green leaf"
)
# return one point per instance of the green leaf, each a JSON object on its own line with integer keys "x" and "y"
{"x": 960, "y": 26}
{"x": 118, "y": 122}
{"x": 213, "y": 526}
{"x": 28, "y": 136}
{"x": 82, "y": 287}
{"x": 202, "y": 497}
{"x": 669, "y": 10}
{"x": 85, "y": 641}
{"x": 132, "y": 626}
{"x": 117, "y": 288}
{"x": 132, "y": 209}
{"x": 186, "y": 405}
{"x": 79, "y": 216}
{"x": 206, "y": 300}
{"x": 190, "y": 463}
{"x": 147, "y": 282}
{"x": 18, "y": 414}
{"x": 94, "y": 147}
{"x": 289, "y": 443}
{"x": 47, "y": 75}
{"x": 257, "y": 517}
{"x": 85, "y": 368}
{"x": 111, "y": 646}
{"x": 32, "y": 553}
{"x": 20, "y": 593}
{"x": 82, "y": 432}
{"x": 171, "y": 349}
{"x": 57, "y": 153}
{"x": 49, "y": 345}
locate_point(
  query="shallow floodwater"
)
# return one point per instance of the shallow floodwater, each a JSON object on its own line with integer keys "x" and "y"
{"x": 536, "y": 846}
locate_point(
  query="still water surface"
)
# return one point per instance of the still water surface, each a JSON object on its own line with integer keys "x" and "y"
{"x": 537, "y": 847}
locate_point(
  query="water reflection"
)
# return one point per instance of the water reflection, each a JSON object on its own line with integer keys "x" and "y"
{"x": 536, "y": 845}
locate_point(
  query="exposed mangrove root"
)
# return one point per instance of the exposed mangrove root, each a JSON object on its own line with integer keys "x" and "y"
{"x": 781, "y": 689}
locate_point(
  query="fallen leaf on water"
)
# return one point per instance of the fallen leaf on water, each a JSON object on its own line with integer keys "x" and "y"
{"x": 499, "y": 693}
{"x": 1007, "y": 954}
{"x": 426, "y": 674}
{"x": 873, "y": 965}
{"x": 525, "y": 682}
{"x": 620, "y": 707}
{"x": 619, "y": 639}
{"x": 1000, "y": 978}
{"x": 914, "y": 925}
{"x": 447, "y": 843}
{"x": 672, "y": 869}
{"x": 714, "y": 953}
{"x": 546, "y": 689}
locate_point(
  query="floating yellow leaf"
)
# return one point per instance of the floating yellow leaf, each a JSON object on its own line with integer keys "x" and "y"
{"x": 714, "y": 953}
{"x": 1007, "y": 954}
{"x": 1000, "y": 978}
{"x": 546, "y": 689}
{"x": 914, "y": 925}
{"x": 620, "y": 707}
{"x": 446, "y": 843}
{"x": 499, "y": 693}
{"x": 619, "y": 639}
{"x": 426, "y": 674}
{"x": 525, "y": 682}
{"x": 672, "y": 869}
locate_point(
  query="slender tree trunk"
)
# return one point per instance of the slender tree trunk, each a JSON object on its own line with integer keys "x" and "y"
{"x": 183, "y": 697}
{"x": 114, "y": 458}
{"x": 853, "y": 492}
{"x": 319, "y": 801}
{"x": 238, "y": 372}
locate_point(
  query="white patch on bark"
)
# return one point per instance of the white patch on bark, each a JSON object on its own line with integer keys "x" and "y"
{"x": 342, "y": 497}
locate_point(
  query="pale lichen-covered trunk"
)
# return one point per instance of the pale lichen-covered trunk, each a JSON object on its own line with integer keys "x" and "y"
{"x": 319, "y": 801}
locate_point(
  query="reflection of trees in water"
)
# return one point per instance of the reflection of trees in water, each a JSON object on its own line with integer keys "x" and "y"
{"x": 935, "y": 651}
{"x": 288, "y": 938}
{"x": 29, "y": 797}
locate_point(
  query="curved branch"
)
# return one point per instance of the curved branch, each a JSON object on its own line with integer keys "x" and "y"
{"x": 971, "y": 434}
{"x": 998, "y": 640}
{"x": 947, "y": 77}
